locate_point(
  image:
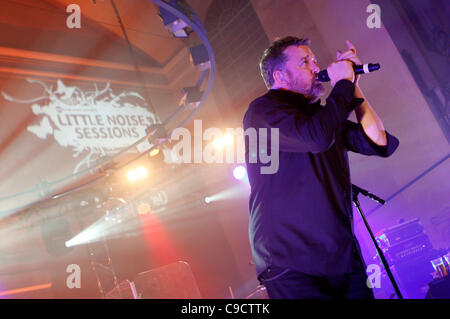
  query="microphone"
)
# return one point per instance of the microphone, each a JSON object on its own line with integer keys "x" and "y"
{"x": 359, "y": 69}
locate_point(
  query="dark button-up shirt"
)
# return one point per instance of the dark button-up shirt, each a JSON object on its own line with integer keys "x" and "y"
{"x": 301, "y": 217}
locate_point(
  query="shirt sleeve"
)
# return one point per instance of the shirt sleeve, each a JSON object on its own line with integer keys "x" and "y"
{"x": 356, "y": 140}
{"x": 302, "y": 133}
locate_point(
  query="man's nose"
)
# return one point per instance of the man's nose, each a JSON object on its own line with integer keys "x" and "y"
{"x": 315, "y": 68}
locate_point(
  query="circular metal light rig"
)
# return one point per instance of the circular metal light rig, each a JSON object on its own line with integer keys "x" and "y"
{"x": 181, "y": 21}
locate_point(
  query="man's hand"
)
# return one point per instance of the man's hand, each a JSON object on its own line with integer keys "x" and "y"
{"x": 339, "y": 71}
{"x": 351, "y": 56}
{"x": 365, "y": 114}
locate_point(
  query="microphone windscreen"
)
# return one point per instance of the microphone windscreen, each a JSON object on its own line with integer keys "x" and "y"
{"x": 322, "y": 76}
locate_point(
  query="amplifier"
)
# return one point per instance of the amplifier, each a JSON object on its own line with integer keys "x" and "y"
{"x": 404, "y": 241}
{"x": 409, "y": 248}
{"x": 173, "y": 281}
{"x": 399, "y": 233}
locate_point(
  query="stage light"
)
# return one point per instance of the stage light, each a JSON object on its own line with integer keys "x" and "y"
{"x": 136, "y": 174}
{"x": 144, "y": 209}
{"x": 141, "y": 172}
{"x": 191, "y": 97}
{"x": 174, "y": 24}
{"x": 154, "y": 152}
{"x": 227, "y": 139}
{"x": 86, "y": 236}
{"x": 239, "y": 172}
{"x": 156, "y": 160}
{"x": 199, "y": 58}
{"x": 218, "y": 143}
{"x": 116, "y": 209}
{"x": 132, "y": 175}
{"x": 157, "y": 133}
{"x": 231, "y": 193}
{"x": 221, "y": 142}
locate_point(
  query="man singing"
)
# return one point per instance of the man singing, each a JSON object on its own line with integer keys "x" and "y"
{"x": 301, "y": 218}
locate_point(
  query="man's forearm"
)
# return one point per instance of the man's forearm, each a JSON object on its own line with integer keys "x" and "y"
{"x": 370, "y": 121}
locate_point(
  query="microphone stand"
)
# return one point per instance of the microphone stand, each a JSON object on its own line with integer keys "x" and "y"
{"x": 355, "y": 192}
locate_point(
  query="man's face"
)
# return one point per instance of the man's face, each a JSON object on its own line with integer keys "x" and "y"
{"x": 301, "y": 72}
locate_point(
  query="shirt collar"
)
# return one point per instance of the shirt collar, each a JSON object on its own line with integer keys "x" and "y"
{"x": 293, "y": 97}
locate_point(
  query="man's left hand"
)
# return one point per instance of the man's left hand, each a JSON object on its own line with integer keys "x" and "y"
{"x": 349, "y": 55}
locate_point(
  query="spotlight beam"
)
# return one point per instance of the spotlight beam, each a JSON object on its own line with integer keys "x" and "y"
{"x": 228, "y": 194}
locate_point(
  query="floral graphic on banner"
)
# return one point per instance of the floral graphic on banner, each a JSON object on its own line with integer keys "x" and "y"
{"x": 99, "y": 121}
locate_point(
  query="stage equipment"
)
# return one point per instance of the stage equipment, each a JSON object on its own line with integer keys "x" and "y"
{"x": 55, "y": 233}
{"x": 359, "y": 69}
{"x": 200, "y": 58}
{"x": 186, "y": 23}
{"x": 173, "y": 281}
{"x": 99, "y": 254}
{"x": 137, "y": 174}
{"x": 440, "y": 270}
{"x": 116, "y": 209}
{"x": 409, "y": 252}
{"x": 125, "y": 290}
{"x": 149, "y": 201}
{"x": 101, "y": 264}
{"x": 191, "y": 97}
{"x": 156, "y": 133}
{"x": 404, "y": 241}
{"x": 144, "y": 209}
{"x": 154, "y": 152}
{"x": 177, "y": 26}
{"x": 355, "y": 192}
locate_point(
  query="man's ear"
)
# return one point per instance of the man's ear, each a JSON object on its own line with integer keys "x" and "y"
{"x": 279, "y": 77}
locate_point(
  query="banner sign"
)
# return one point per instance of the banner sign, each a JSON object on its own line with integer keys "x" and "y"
{"x": 100, "y": 121}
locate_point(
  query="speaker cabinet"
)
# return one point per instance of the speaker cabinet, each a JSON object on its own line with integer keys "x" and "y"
{"x": 173, "y": 281}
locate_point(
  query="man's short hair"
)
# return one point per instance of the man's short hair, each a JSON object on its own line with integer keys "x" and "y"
{"x": 274, "y": 59}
